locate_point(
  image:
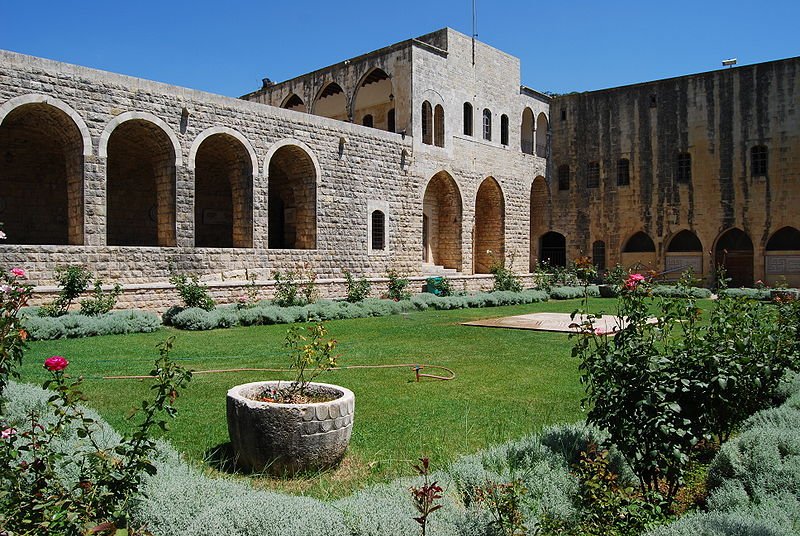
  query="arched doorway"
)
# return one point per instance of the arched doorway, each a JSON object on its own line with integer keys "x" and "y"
{"x": 734, "y": 252}
{"x": 292, "y": 199}
{"x": 331, "y": 102}
{"x": 41, "y": 176}
{"x": 684, "y": 251}
{"x": 223, "y": 193}
{"x": 639, "y": 252}
{"x": 442, "y": 220}
{"x": 553, "y": 249}
{"x": 540, "y": 217}
{"x": 141, "y": 185}
{"x": 489, "y": 237}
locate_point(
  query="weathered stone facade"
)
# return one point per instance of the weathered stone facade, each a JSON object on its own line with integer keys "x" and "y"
{"x": 707, "y": 166}
{"x": 424, "y": 157}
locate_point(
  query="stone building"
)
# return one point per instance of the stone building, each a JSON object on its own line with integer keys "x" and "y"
{"x": 425, "y": 157}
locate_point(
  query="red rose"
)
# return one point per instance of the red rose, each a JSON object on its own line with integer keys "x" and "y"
{"x": 55, "y": 363}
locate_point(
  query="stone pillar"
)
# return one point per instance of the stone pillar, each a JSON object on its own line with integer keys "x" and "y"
{"x": 94, "y": 201}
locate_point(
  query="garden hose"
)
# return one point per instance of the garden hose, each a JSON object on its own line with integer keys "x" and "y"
{"x": 416, "y": 367}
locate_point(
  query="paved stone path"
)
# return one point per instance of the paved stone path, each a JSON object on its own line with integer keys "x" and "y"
{"x": 548, "y": 322}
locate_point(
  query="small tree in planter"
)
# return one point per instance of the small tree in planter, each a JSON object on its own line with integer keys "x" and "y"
{"x": 287, "y": 427}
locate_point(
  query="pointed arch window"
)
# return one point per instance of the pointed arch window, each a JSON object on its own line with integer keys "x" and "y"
{"x": 487, "y": 124}
{"x": 427, "y": 123}
{"x": 467, "y": 119}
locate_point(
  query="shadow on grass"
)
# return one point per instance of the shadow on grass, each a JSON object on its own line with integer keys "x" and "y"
{"x": 223, "y": 458}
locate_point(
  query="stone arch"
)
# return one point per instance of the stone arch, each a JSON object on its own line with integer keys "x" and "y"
{"x": 489, "y": 236}
{"x": 102, "y": 148}
{"x": 553, "y": 248}
{"x": 442, "y": 222}
{"x": 541, "y": 135}
{"x": 782, "y": 257}
{"x": 527, "y": 130}
{"x": 734, "y": 251}
{"x": 639, "y": 252}
{"x": 294, "y": 102}
{"x": 41, "y": 171}
{"x": 223, "y": 206}
{"x": 33, "y": 98}
{"x": 684, "y": 251}
{"x": 438, "y": 125}
{"x": 292, "y": 172}
{"x": 374, "y": 96}
{"x": 229, "y": 132}
{"x": 539, "y": 217}
{"x": 331, "y": 102}
{"x": 140, "y": 182}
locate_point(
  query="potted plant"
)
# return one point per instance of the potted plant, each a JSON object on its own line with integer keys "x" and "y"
{"x": 284, "y": 427}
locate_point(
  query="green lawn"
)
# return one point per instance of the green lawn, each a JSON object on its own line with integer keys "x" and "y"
{"x": 508, "y": 383}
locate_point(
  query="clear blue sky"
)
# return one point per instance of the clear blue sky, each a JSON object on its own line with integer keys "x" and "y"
{"x": 228, "y": 46}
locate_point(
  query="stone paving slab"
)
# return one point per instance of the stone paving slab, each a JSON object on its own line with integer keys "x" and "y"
{"x": 559, "y": 322}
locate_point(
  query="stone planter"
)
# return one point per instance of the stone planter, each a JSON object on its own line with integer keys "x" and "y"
{"x": 607, "y": 291}
{"x": 283, "y": 439}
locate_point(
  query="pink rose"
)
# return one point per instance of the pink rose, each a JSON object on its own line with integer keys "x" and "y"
{"x": 2, "y": 235}
{"x": 633, "y": 281}
{"x": 7, "y": 433}
{"x": 55, "y": 363}
{"x": 18, "y": 272}
{"x": 600, "y": 331}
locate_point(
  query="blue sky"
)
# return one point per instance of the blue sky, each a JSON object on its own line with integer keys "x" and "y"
{"x": 228, "y": 46}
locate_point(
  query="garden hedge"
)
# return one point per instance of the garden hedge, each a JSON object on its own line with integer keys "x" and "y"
{"x": 74, "y": 325}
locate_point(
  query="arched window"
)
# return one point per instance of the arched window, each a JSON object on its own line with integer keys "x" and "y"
{"x": 378, "y": 239}
{"x": 504, "y": 129}
{"x": 331, "y": 102}
{"x": 785, "y": 239}
{"x": 541, "y": 135}
{"x": 367, "y": 121}
{"x": 553, "y": 249}
{"x": 563, "y": 177}
{"x": 438, "y": 126}
{"x": 487, "y": 124}
{"x": 683, "y": 168}
{"x": 373, "y": 97}
{"x": 623, "y": 172}
{"x": 427, "y": 123}
{"x": 685, "y": 242}
{"x": 758, "y": 161}
{"x": 640, "y": 243}
{"x": 527, "y": 131}
{"x": 293, "y": 102}
{"x": 467, "y": 119}
{"x": 599, "y": 255}
{"x": 390, "y": 121}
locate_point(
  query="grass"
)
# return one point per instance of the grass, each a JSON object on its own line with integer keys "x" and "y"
{"x": 508, "y": 383}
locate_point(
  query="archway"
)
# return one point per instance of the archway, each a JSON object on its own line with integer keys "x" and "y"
{"x": 41, "y": 174}
{"x": 684, "y": 251}
{"x": 489, "y": 239}
{"x": 639, "y": 252}
{"x": 294, "y": 102}
{"x": 223, "y": 193}
{"x": 540, "y": 217}
{"x": 442, "y": 217}
{"x": 734, "y": 251}
{"x": 140, "y": 185}
{"x": 374, "y": 97}
{"x": 553, "y": 249}
{"x": 782, "y": 257}
{"x": 292, "y": 205}
{"x": 331, "y": 102}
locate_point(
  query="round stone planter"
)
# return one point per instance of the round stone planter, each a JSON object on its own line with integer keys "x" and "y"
{"x": 283, "y": 439}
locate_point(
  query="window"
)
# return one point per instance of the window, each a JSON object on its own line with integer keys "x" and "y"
{"x": 593, "y": 175}
{"x": 504, "y": 129}
{"x": 378, "y": 239}
{"x": 623, "y": 172}
{"x": 427, "y": 123}
{"x": 390, "y": 125}
{"x": 467, "y": 119}
{"x": 683, "y": 168}
{"x": 487, "y": 125}
{"x": 367, "y": 121}
{"x": 758, "y": 161}
{"x": 438, "y": 126}
{"x": 599, "y": 255}
{"x": 563, "y": 114}
{"x": 563, "y": 177}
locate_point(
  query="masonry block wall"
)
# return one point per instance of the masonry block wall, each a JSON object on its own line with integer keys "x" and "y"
{"x": 716, "y": 154}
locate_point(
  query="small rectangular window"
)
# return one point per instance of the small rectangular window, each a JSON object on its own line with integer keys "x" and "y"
{"x": 593, "y": 175}
{"x": 623, "y": 172}
{"x": 563, "y": 177}
{"x": 563, "y": 114}
{"x": 758, "y": 161}
{"x": 683, "y": 171}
